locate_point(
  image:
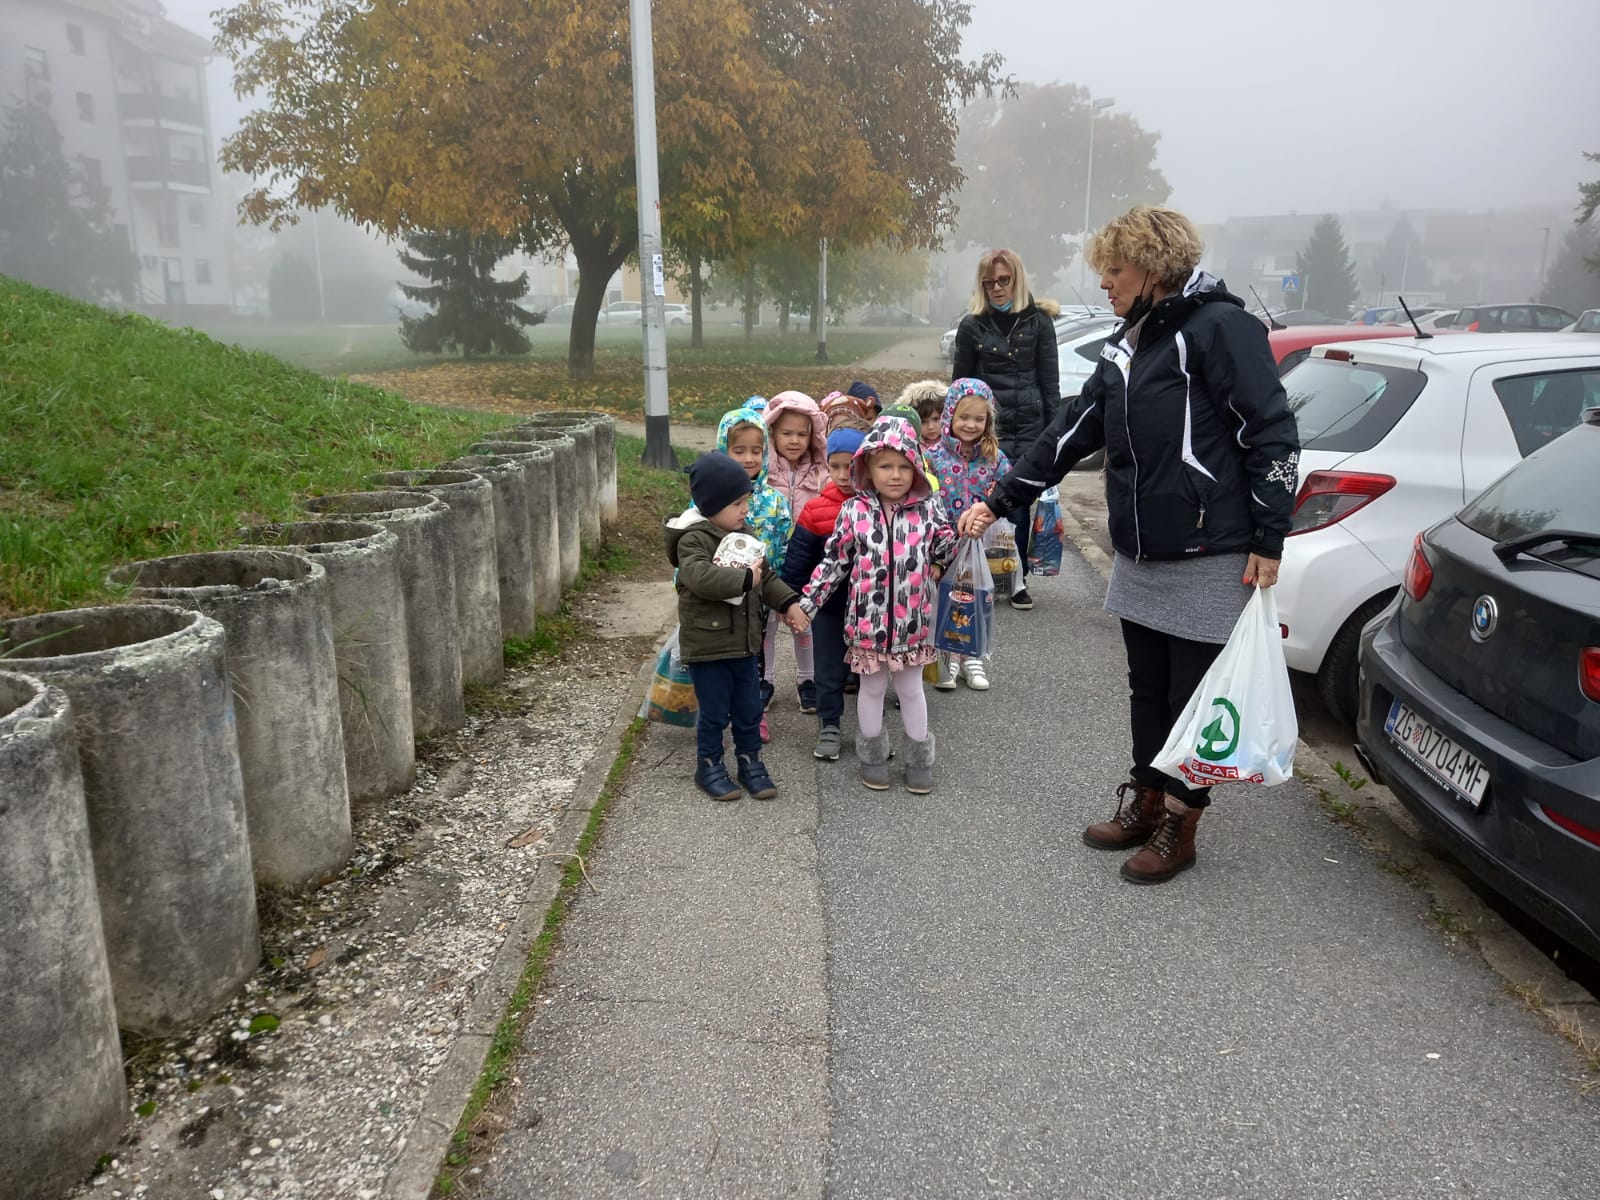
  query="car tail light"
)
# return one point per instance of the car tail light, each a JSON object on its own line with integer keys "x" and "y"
{"x": 1337, "y": 355}
{"x": 1589, "y": 672}
{"x": 1592, "y": 836}
{"x": 1419, "y": 571}
{"x": 1328, "y": 497}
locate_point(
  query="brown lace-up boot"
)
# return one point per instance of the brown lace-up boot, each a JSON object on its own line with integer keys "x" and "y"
{"x": 1132, "y": 823}
{"x": 1169, "y": 850}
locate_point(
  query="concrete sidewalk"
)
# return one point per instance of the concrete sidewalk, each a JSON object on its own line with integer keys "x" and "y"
{"x": 854, "y": 994}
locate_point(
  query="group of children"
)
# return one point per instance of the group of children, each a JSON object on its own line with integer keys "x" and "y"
{"x": 855, "y": 507}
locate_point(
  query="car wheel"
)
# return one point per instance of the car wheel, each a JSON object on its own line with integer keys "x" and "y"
{"x": 1337, "y": 677}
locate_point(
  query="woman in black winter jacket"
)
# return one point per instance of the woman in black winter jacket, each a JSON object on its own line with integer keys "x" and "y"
{"x": 1008, "y": 340}
{"x": 1202, "y": 459}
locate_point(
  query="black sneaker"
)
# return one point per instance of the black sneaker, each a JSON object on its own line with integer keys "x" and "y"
{"x": 1021, "y": 600}
{"x": 852, "y": 684}
{"x": 808, "y": 696}
{"x": 767, "y": 692}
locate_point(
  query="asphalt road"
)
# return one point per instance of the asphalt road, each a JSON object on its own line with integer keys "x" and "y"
{"x": 852, "y": 994}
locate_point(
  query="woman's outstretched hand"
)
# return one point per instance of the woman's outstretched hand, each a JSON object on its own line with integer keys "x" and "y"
{"x": 1263, "y": 572}
{"x": 975, "y": 520}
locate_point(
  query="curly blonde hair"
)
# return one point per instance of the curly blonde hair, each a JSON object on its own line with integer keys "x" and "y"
{"x": 990, "y": 259}
{"x": 1160, "y": 240}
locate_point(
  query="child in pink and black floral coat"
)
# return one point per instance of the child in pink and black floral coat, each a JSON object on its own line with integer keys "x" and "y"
{"x": 889, "y": 543}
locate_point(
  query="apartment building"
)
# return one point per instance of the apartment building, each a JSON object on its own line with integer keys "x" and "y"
{"x": 127, "y": 89}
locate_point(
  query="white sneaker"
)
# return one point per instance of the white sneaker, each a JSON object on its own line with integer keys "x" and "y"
{"x": 977, "y": 678}
{"x": 948, "y": 670}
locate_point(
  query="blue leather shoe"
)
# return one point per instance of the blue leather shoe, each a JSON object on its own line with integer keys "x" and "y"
{"x": 711, "y": 777}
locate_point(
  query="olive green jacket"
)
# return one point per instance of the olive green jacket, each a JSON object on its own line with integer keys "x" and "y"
{"x": 711, "y": 629}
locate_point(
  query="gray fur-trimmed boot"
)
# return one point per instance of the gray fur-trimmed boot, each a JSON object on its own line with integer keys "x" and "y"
{"x": 919, "y": 765}
{"x": 873, "y": 754}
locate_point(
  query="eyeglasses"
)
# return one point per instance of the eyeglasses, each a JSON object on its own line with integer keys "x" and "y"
{"x": 999, "y": 281}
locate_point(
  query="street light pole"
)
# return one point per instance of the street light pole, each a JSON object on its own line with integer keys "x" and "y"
{"x": 822, "y": 300}
{"x": 652, "y": 268}
{"x": 1088, "y": 190}
{"x": 1544, "y": 254}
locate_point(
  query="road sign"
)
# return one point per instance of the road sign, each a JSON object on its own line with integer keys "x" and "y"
{"x": 1291, "y": 283}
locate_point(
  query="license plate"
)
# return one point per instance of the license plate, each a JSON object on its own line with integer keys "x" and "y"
{"x": 1436, "y": 753}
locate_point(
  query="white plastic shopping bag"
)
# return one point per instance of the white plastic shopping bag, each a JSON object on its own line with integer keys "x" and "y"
{"x": 1239, "y": 726}
{"x": 1005, "y": 566}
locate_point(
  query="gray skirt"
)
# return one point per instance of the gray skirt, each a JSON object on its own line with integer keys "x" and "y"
{"x": 1196, "y": 598}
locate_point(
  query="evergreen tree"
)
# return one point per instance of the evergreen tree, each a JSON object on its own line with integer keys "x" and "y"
{"x": 471, "y": 308}
{"x": 1327, "y": 276}
{"x": 55, "y": 225}
{"x": 292, "y": 290}
{"x": 1401, "y": 264}
{"x": 1573, "y": 281}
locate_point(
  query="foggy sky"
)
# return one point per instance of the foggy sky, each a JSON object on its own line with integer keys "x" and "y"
{"x": 1270, "y": 106}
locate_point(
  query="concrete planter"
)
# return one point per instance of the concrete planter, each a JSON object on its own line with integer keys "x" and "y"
{"x": 515, "y": 568}
{"x": 274, "y": 607}
{"x": 427, "y": 580}
{"x": 473, "y": 552}
{"x": 59, "y": 1053}
{"x": 154, "y": 717}
{"x": 549, "y": 464}
{"x": 605, "y": 449}
{"x": 370, "y": 649}
{"x": 582, "y": 433}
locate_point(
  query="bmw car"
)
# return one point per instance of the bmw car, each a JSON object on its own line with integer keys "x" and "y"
{"x": 1480, "y": 687}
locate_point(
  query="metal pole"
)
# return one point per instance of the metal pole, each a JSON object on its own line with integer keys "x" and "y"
{"x": 1543, "y": 256}
{"x": 822, "y": 301}
{"x": 316, "y": 253}
{"x": 1088, "y": 191}
{"x": 652, "y": 270}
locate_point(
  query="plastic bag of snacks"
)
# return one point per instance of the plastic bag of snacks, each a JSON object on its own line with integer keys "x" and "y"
{"x": 670, "y": 698}
{"x": 1049, "y": 532}
{"x": 1005, "y": 565}
{"x": 739, "y": 550}
{"x": 964, "y": 623}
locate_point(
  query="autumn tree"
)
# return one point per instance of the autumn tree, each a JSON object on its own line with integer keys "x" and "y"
{"x": 55, "y": 224}
{"x": 1399, "y": 265}
{"x": 1327, "y": 277}
{"x": 472, "y": 309}
{"x": 1026, "y": 162}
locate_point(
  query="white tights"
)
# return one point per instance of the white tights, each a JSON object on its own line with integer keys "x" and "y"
{"x": 913, "y": 701}
{"x": 805, "y": 664}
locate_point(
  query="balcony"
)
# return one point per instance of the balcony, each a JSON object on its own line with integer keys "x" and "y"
{"x": 143, "y": 106}
{"x": 159, "y": 169}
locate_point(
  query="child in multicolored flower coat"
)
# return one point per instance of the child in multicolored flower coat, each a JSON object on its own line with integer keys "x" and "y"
{"x": 797, "y": 469}
{"x": 742, "y": 436}
{"x": 968, "y": 461}
{"x": 888, "y": 542}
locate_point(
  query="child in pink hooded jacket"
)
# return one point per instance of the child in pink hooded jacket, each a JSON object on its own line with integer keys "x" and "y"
{"x": 889, "y": 542}
{"x": 797, "y": 469}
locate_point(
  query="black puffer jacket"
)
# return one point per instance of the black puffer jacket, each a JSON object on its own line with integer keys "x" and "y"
{"x": 1201, "y": 449}
{"x": 1017, "y": 359}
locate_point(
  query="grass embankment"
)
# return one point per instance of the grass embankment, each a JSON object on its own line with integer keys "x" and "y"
{"x": 701, "y": 384}
{"x": 124, "y": 439}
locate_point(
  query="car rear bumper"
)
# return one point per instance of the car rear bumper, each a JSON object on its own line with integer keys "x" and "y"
{"x": 1509, "y": 842}
{"x": 1324, "y": 577}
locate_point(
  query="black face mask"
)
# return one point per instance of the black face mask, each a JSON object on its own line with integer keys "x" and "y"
{"x": 1140, "y": 307}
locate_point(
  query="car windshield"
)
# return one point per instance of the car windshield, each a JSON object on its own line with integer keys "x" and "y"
{"x": 1348, "y": 406}
{"x": 1556, "y": 488}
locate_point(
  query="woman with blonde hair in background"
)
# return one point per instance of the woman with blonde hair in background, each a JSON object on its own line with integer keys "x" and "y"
{"x": 1008, "y": 340}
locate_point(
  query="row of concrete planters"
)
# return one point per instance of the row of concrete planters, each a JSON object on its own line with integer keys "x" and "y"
{"x": 274, "y": 607}
{"x": 513, "y": 546}
{"x": 427, "y": 582}
{"x": 371, "y": 654}
{"x": 154, "y": 719}
{"x": 585, "y": 496}
{"x": 470, "y": 498}
{"x": 59, "y": 1052}
{"x": 549, "y": 469}
{"x": 604, "y": 426}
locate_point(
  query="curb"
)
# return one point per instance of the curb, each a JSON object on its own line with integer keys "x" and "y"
{"x": 422, "y": 1150}
{"x": 1385, "y": 827}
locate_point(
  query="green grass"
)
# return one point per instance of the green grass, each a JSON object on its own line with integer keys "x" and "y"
{"x": 508, "y": 1034}
{"x": 123, "y": 439}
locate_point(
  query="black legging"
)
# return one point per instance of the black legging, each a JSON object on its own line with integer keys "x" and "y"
{"x": 1163, "y": 672}
{"x": 1022, "y": 518}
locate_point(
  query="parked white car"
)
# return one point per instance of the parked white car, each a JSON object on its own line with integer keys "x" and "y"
{"x": 1396, "y": 435}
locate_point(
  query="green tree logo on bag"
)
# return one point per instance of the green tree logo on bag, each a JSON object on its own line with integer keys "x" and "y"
{"x": 1218, "y": 740}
